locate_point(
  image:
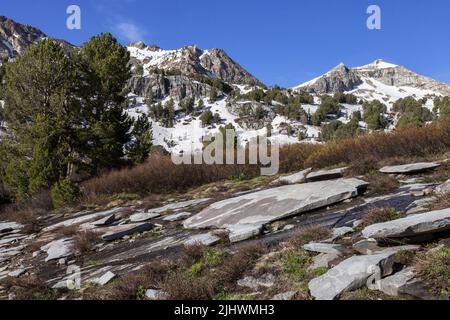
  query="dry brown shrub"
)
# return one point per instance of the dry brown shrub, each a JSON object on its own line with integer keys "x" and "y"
{"x": 84, "y": 241}
{"x": 380, "y": 215}
{"x": 308, "y": 234}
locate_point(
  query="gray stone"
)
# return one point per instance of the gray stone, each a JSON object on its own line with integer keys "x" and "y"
{"x": 339, "y": 232}
{"x": 367, "y": 246}
{"x": 351, "y": 274}
{"x": 326, "y": 174}
{"x": 284, "y": 296}
{"x": 177, "y": 216}
{"x": 410, "y": 226}
{"x": 206, "y": 239}
{"x": 152, "y": 294}
{"x": 410, "y": 168}
{"x": 143, "y": 216}
{"x": 58, "y": 249}
{"x": 323, "y": 260}
{"x": 326, "y": 248}
{"x": 105, "y": 279}
{"x": 299, "y": 177}
{"x": 105, "y": 221}
{"x": 273, "y": 204}
{"x": 443, "y": 188}
{"x": 241, "y": 232}
{"x": 267, "y": 280}
{"x": 121, "y": 231}
{"x": 9, "y": 226}
{"x": 83, "y": 219}
{"x": 393, "y": 285}
{"x": 17, "y": 273}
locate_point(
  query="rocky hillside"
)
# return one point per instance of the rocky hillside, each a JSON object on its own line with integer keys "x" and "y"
{"x": 16, "y": 37}
{"x": 311, "y": 235}
{"x": 379, "y": 80}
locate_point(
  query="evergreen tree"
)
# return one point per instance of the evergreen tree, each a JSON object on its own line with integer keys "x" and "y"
{"x": 103, "y": 70}
{"x": 42, "y": 115}
{"x": 141, "y": 143}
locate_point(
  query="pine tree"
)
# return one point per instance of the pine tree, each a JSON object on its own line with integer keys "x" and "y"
{"x": 41, "y": 112}
{"x": 103, "y": 71}
{"x": 141, "y": 144}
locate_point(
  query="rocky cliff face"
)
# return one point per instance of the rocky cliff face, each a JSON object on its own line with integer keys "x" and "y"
{"x": 16, "y": 37}
{"x": 344, "y": 79}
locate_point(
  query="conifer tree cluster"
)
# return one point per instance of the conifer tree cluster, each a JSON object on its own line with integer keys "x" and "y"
{"x": 66, "y": 117}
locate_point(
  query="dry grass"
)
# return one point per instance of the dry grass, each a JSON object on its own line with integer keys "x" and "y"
{"x": 442, "y": 202}
{"x": 380, "y": 215}
{"x": 84, "y": 241}
{"x": 380, "y": 183}
{"x": 415, "y": 142}
{"x": 132, "y": 286}
{"x": 308, "y": 234}
{"x": 29, "y": 288}
{"x": 160, "y": 175}
{"x": 434, "y": 269}
{"x": 66, "y": 231}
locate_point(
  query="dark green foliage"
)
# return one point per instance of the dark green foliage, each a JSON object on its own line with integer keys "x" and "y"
{"x": 65, "y": 113}
{"x": 328, "y": 106}
{"x": 65, "y": 192}
{"x": 213, "y": 94}
{"x": 442, "y": 107}
{"x": 412, "y": 113}
{"x": 103, "y": 70}
{"x": 345, "y": 98}
{"x": 141, "y": 145}
{"x": 187, "y": 105}
{"x": 374, "y": 115}
{"x": 336, "y": 130}
{"x": 207, "y": 118}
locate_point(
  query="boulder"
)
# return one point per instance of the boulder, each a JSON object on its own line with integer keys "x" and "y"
{"x": 299, "y": 177}
{"x": 267, "y": 280}
{"x": 411, "y": 226}
{"x": 351, "y": 274}
{"x": 206, "y": 239}
{"x": 393, "y": 285}
{"x": 269, "y": 205}
{"x": 58, "y": 249}
{"x": 410, "y": 168}
{"x": 177, "y": 216}
{"x": 323, "y": 260}
{"x": 241, "y": 232}
{"x": 104, "y": 279}
{"x": 118, "y": 232}
{"x": 326, "y": 175}
{"x": 326, "y": 248}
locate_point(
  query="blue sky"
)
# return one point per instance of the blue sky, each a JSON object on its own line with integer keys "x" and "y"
{"x": 283, "y": 42}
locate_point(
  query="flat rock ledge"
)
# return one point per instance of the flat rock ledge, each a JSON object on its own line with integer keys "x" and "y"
{"x": 263, "y": 207}
{"x": 411, "y": 226}
{"x": 410, "y": 168}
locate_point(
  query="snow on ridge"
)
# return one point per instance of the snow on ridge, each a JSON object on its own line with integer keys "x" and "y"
{"x": 377, "y": 64}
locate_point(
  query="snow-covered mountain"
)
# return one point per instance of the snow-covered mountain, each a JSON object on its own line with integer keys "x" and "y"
{"x": 379, "y": 80}
{"x": 16, "y": 37}
{"x": 192, "y": 73}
